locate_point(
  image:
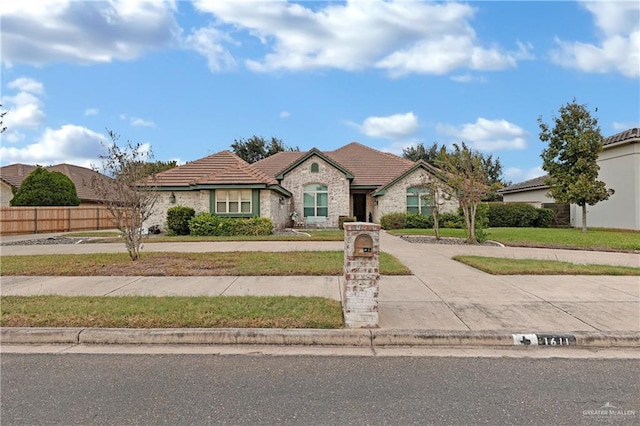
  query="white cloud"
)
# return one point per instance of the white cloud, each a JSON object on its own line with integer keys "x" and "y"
{"x": 395, "y": 126}
{"x": 91, "y": 111}
{"x": 140, "y": 122}
{"x": 285, "y": 114}
{"x": 620, "y": 127}
{"x": 208, "y": 42}
{"x": 517, "y": 175}
{"x": 396, "y": 36}
{"x": 25, "y": 108}
{"x": 37, "y": 32}
{"x": 618, "y": 25}
{"x": 24, "y": 84}
{"x": 468, "y": 78}
{"x": 397, "y": 147}
{"x": 70, "y": 144}
{"x": 13, "y": 137}
{"x": 487, "y": 135}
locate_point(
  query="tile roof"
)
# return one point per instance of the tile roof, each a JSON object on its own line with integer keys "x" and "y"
{"x": 370, "y": 166}
{"x": 625, "y": 136}
{"x": 81, "y": 177}
{"x": 531, "y": 184}
{"x": 216, "y": 169}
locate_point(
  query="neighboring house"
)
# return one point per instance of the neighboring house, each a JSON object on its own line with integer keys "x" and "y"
{"x": 11, "y": 178}
{"x": 619, "y": 164}
{"x": 354, "y": 180}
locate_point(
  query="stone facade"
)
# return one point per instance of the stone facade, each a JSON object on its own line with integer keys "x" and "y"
{"x": 395, "y": 198}
{"x": 198, "y": 200}
{"x": 336, "y": 182}
{"x": 361, "y": 274}
{"x": 275, "y": 207}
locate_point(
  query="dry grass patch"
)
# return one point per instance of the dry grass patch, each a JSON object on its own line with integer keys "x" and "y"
{"x": 190, "y": 264}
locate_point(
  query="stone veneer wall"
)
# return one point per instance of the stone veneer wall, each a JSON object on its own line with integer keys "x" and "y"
{"x": 395, "y": 198}
{"x": 336, "y": 182}
{"x": 271, "y": 207}
{"x": 199, "y": 200}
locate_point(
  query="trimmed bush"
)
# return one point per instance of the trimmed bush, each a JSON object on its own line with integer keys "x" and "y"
{"x": 545, "y": 218}
{"x": 178, "y": 218}
{"x": 44, "y": 188}
{"x": 451, "y": 220}
{"x": 343, "y": 219}
{"x": 519, "y": 215}
{"x": 419, "y": 221}
{"x": 207, "y": 224}
{"x": 393, "y": 221}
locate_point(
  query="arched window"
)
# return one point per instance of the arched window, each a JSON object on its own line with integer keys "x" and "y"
{"x": 316, "y": 201}
{"x": 419, "y": 200}
{"x": 315, "y": 168}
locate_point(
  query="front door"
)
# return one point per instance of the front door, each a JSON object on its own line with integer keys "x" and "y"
{"x": 360, "y": 207}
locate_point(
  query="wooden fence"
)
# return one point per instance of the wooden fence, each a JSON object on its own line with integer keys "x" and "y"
{"x": 34, "y": 220}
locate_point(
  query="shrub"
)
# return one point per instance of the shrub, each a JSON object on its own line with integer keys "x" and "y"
{"x": 343, "y": 219}
{"x": 419, "y": 221}
{"x": 207, "y": 224}
{"x": 512, "y": 215}
{"x": 545, "y": 218}
{"x": 178, "y": 218}
{"x": 451, "y": 220}
{"x": 394, "y": 221}
{"x": 44, "y": 188}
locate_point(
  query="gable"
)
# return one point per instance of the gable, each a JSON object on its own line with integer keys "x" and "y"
{"x": 417, "y": 166}
{"x": 310, "y": 154}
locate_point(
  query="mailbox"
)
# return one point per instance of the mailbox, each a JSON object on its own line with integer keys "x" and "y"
{"x": 363, "y": 246}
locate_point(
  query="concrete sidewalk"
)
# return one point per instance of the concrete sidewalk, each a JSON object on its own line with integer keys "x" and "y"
{"x": 442, "y": 297}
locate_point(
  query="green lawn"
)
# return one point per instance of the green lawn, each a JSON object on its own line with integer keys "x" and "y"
{"x": 171, "y": 312}
{"x": 314, "y": 235}
{"x": 594, "y": 239}
{"x": 502, "y": 266}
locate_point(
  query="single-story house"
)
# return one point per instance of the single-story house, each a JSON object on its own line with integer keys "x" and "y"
{"x": 619, "y": 164}
{"x": 317, "y": 186}
{"x": 11, "y": 178}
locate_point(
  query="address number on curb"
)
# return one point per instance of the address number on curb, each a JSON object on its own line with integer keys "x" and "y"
{"x": 544, "y": 339}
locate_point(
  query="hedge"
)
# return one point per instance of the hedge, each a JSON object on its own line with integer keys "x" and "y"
{"x": 519, "y": 215}
{"x": 207, "y": 224}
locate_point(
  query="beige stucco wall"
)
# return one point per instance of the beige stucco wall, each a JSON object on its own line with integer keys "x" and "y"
{"x": 620, "y": 170}
{"x": 5, "y": 194}
{"x": 395, "y": 198}
{"x": 534, "y": 197}
{"x": 199, "y": 200}
{"x": 336, "y": 182}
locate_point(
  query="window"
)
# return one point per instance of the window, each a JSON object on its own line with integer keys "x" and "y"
{"x": 315, "y": 168}
{"x": 233, "y": 201}
{"x": 316, "y": 201}
{"x": 418, "y": 200}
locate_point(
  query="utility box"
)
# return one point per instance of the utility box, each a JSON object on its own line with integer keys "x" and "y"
{"x": 361, "y": 274}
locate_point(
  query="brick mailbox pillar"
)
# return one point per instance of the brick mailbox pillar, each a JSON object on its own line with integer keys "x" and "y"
{"x": 361, "y": 274}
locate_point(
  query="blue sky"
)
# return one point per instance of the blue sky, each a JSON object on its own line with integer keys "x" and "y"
{"x": 187, "y": 78}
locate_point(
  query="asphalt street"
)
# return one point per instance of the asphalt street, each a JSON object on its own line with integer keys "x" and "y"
{"x": 206, "y": 389}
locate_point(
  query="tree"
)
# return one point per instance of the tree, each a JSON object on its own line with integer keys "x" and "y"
{"x": 257, "y": 148}
{"x": 570, "y": 159}
{"x": 2, "y": 114}
{"x": 439, "y": 193}
{"x": 434, "y": 156}
{"x": 45, "y": 188}
{"x": 131, "y": 194}
{"x": 466, "y": 175}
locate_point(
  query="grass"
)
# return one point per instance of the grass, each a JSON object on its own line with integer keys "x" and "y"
{"x": 190, "y": 264}
{"x": 315, "y": 235}
{"x": 171, "y": 312}
{"x": 502, "y": 266}
{"x": 570, "y": 238}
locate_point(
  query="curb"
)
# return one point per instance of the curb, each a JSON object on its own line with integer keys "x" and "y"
{"x": 307, "y": 337}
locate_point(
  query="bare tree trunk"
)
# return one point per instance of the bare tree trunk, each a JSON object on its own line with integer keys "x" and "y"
{"x": 584, "y": 218}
